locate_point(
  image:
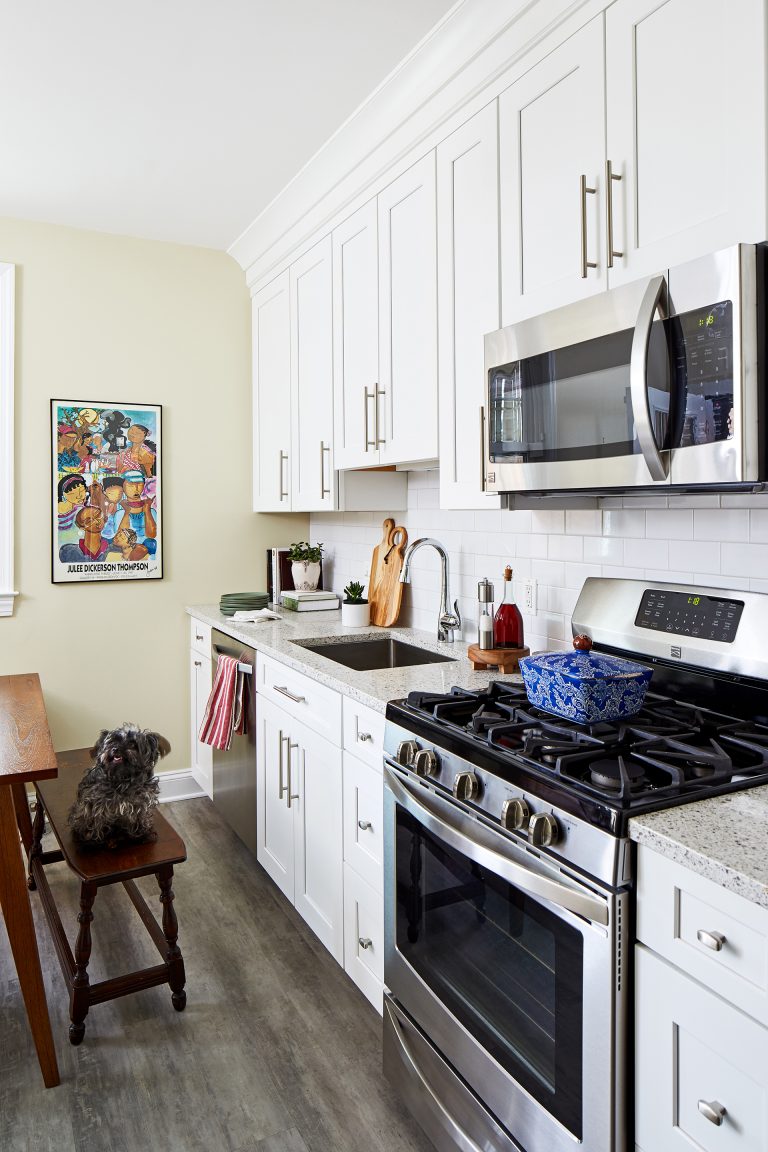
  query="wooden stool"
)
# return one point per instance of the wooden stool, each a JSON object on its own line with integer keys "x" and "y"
{"x": 97, "y": 868}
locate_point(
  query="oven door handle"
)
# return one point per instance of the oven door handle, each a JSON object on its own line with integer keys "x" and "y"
{"x": 474, "y": 840}
{"x": 653, "y": 299}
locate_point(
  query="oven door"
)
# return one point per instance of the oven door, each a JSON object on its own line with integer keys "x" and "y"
{"x": 508, "y": 964}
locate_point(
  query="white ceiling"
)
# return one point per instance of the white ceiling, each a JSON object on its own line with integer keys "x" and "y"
{"x": 181, "y": 119}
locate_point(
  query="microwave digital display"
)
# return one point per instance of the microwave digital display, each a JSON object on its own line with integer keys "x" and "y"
{"x": 702, "y": 352}
{"x": 689, "y": 614}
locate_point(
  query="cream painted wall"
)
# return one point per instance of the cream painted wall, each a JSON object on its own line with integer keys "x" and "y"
{"x": 100, "y": 317}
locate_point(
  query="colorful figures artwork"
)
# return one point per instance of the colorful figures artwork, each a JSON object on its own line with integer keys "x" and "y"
{"x": 106, "y": 522}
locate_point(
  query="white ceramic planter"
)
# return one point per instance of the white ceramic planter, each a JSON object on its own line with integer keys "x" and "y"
{"x": 355, "y": 615}
{"x": 306, "y": 575}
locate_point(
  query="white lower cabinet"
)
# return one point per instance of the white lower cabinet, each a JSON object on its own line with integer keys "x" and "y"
{"x": 299, "y": 826}
{"x": 200, "y": 681}
{"x": 702, "y": 1066}
{"x": 364, "y": 875}
{"x": 364, "y": 936}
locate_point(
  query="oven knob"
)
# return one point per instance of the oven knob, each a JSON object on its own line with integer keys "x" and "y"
{"x": 515, "y": 815}
{"x": 406, "y": 752}
{"x": 466, "y": 786}
{"x": 543, "y": 830}
{"x": 425, "y": 763}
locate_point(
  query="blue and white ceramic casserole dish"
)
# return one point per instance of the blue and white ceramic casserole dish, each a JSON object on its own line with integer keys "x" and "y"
{"x": 585, "y": 686}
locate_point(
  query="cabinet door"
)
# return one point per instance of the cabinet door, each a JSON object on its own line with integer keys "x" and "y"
{"x": 316, "y": 799}
{"x": 312, "y": 478}
{"x": 271, "y": 396}
{"x": 356, "y": 338}
{"x": 694, "y": 1051}
{"x": 685, "y": 129}
{"x": 407, "y": 403}
{"x": 364, "y": 821}
{"x": 468, "y": 304}
{"x": 551, "y": 135}
{"x": 274, "y": 819}
{"x": 199, "y": 690}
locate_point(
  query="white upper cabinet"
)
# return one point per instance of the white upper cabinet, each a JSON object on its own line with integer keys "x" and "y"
{"x": 552, "y": 148}
{"x": 312, "y": 478}
{"x": 356, "y": 338}
{"x": 685, "y": 129}
{"x": 272, "y": 396}
{"x": 406, "y": 406}
{"x": 468, "y": 301}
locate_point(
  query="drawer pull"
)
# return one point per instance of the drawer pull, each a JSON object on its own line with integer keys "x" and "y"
{"x": 366, "y": 942}
{"x": 363, "y": 737}
{"x": 364, "y": 825}
{"x": 712, "y": 1110}
{"x": 284, "y": 692}
{"x": 713, "y": 940}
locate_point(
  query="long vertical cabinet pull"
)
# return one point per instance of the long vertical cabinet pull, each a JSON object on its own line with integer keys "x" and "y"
{"x": 289, "y": 794}
{"x": 610, "y": 176}
{"x": 283, "y": 457}
{"x": 280, "y": 784}
{"x": 368, "y": 396}
{"x": 584, "y": 190}
{"x": 323, "y": 449}
{"x": 380, "y": 440}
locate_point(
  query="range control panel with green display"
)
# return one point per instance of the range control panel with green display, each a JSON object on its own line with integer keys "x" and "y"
{"x": 689, "y": 614}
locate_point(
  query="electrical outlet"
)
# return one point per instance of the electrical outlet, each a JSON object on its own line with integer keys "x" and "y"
{"x": 529, "y": 597}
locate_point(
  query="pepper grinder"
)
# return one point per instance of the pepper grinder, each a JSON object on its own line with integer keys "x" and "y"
{"x": 485, "y": 595}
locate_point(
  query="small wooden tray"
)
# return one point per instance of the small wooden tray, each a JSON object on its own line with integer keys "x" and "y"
{"x": 505, "y": 659}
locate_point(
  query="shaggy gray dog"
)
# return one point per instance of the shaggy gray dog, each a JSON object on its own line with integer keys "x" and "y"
{"x": 117, "y": 795}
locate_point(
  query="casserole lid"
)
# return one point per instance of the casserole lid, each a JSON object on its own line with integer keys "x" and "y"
{"x": 582, "y": 664}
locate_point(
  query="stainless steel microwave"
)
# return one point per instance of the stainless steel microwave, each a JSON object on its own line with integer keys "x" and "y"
{"x": 655, "y": 385}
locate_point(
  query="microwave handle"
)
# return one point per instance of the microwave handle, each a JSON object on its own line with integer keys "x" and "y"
{"x": 653, "y": 299}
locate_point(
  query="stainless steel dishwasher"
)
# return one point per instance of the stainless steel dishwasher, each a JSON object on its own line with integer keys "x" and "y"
{"x": 234, "y": 771}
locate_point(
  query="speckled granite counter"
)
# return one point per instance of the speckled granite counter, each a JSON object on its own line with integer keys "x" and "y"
{"x": 283, "y": 639}
{"x": 724, "y": 839}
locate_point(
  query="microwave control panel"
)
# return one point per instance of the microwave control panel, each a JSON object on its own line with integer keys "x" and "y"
{"x": 689, "y": 614}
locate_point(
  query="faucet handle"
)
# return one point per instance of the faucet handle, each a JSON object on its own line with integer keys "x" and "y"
{"x": 457, "y": 613}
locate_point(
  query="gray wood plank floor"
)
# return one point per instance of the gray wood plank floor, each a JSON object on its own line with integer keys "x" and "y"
{"x": 277, "y": 1051}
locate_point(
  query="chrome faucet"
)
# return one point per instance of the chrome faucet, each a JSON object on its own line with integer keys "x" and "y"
{"x": 447, "y": 621}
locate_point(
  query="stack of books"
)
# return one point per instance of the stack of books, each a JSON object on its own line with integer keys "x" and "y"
{"x": 309, "y": 601}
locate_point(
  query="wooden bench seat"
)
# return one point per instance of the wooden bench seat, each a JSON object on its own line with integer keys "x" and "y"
{"x": 97, "y": 868}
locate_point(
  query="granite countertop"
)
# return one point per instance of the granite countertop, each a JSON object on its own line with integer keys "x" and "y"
{"x": 723, "y": 838}
{"x": 283, "y": 639}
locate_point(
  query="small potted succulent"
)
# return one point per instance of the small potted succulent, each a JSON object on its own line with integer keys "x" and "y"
{"x": 305, "y": 565}
{"x": 355, "y": 609}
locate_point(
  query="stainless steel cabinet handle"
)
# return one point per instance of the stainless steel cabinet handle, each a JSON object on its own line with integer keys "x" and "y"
{"x": 365, "y": 941}
{"x": 283, "y": 494}
{"x": 364, "y": 825}
{"x": 379, "y": 439}
{"x": 654, "y": 298}
{"x": 291, "y": 795}
{"x": 284, "y": 692}
{"x": 712, "y": 1110}
{"x": 583, "y": 191}
{"x": 198, "y": 663}
{"x": 368, "y": 396}
{"x": 713, "y": 940}
{"x": 280, "y": 784}
{"x": 323, "y": 449}
{"x": 610, "y": 176}
{"x": 198, "y": 636}
{"x": 364, "y": 737}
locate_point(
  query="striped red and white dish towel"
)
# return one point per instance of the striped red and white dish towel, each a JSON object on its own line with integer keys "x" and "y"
{"x": 226, "y": 709}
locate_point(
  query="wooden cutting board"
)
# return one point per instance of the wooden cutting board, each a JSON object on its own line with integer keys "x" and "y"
{"x": 385, "y": 592}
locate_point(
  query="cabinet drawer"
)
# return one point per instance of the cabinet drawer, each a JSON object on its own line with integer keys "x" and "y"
{"x": 200, "y": 636}
{"x": 694, "y": 1051}
{"x": 313, "y": 704}
{"x": 363, "y": 732}
{"x": 364, "y": 936}
{"x": 364, "y": 821}
{"x": 712, "y": 934}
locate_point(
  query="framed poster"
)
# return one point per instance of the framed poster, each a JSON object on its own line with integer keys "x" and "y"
{"x": 107, "y": 493}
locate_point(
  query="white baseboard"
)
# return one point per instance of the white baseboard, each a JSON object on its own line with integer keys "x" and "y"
{"x": 179, "y": 784}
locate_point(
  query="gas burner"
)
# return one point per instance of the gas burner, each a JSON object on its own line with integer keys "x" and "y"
{"x": 747, "y": 744}
{"x": 701, "y": 760}
{"x": 617, "y": 774}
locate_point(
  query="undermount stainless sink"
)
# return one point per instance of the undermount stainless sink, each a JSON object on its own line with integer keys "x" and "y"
{"x": 374, "y": 653}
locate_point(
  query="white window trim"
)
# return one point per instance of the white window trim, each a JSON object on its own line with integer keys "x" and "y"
{"x": 7, "y": 328}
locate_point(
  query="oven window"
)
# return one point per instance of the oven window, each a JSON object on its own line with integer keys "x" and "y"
{"x": 507, "y": 968}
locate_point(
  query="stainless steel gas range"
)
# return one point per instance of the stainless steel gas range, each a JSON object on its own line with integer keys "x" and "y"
{"x": 509, "y": 871}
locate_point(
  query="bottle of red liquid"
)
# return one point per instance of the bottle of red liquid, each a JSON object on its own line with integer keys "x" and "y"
{"x": 508, "y": 623}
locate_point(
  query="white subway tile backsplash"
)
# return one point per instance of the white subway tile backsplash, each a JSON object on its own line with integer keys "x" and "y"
{"x": 706, "y": 539}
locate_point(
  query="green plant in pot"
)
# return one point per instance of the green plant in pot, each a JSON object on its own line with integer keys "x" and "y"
{"x": 305, "y": 565}
{"x": 355, "y": 610}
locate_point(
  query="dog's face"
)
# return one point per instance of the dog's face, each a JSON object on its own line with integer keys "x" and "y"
{"x": 127, "y": 751}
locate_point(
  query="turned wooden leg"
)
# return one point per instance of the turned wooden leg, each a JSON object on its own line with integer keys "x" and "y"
{"x": 14, "y": 902}
{"x": 80, "y": 998}
{"x": 173, "y": 957}
{"x": 37, "y": 835}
